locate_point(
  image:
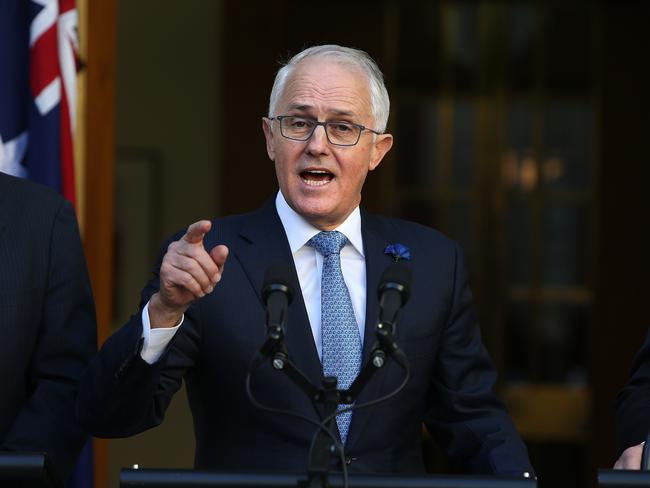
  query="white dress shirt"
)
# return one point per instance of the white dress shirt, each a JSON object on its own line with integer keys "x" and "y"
{"x": 309, "y": 266}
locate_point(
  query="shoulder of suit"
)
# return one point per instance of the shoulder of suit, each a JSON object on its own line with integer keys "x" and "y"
{"x": 223, "y": 230}
{"x": 22, "y": 193}
{"x": 406, "y": 229}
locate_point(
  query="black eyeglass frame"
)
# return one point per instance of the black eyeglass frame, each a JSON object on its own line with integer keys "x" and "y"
{"x": 361, "y": 128}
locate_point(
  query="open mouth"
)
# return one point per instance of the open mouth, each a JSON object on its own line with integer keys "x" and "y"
{"x": 316, "y": 177}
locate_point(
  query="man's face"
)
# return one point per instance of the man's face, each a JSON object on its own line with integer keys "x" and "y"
{"x": 319, "y": 180}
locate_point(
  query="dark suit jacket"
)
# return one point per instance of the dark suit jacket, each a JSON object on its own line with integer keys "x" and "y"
{"x": 47, "y": 322}
{"x": 451, "y": 375}
{"x": 633, "y": 403}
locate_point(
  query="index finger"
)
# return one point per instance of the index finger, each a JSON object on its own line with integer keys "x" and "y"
{"x": 197, "y": 231}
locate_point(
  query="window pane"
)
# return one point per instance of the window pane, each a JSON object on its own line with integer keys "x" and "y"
{"x": 549, "y": 348}
{"x": 517, "y": 338}
{"x": 563, "y": 350}
{"x": 521, "y": 46}
{"x": 568, "y": 35}
{"x": 417, "y": 144}
{"x": 464, "y": 144}
{"x": 564, "y": 245}
{"x": 567, "y": 159}
{"x": 464, "y": 44}
{"x": 517, "y": 230}
{"x": 519, "y": 169}
{"x": 418, "y": 63}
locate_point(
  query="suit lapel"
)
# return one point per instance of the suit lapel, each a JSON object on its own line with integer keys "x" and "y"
{"x": 374, "y": 245}
{"x": 265, "y": 243}
{"x": 375, "y": 241}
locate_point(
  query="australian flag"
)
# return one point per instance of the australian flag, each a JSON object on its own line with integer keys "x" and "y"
{"x": 38, "y": 46}
{"x": 38, "y": 67}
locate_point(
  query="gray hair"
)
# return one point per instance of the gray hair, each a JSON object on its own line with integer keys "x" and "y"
{"x": 379, "y": 101}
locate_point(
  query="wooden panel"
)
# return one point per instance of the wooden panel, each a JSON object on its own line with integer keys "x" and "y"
{"x": 99, "y": 156}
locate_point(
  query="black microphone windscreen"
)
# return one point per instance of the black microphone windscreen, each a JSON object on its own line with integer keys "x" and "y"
{"x": 396, "y": 274}
{"x": 278, "y": 277}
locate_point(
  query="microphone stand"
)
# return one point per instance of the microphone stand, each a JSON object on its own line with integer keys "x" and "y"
{"x": 324, "y": 449}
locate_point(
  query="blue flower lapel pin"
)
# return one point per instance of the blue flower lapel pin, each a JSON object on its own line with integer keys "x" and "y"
{"x": 398, "y": 252}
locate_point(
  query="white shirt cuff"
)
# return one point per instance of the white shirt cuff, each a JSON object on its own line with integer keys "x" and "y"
{"x": 155, "y": 340}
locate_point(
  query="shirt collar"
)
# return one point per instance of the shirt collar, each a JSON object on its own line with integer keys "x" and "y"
{"x": 299, "y": 231}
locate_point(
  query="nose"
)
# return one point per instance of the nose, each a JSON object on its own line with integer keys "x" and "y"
{"x": 318, "y": 143}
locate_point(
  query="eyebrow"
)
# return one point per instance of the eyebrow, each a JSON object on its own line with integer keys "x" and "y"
{"x": 307, "y": 108}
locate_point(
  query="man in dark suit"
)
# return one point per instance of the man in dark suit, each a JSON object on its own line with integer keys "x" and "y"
{"x": 203, "y": 323}
{"x": 633, "y": 412}
{"x": 47, "y": 322}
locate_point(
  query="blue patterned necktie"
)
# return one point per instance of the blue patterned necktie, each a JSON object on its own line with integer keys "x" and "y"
{"x": 339, "y": 330}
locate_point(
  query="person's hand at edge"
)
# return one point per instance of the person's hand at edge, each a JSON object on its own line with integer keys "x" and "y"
{"x": 630, "y": 458}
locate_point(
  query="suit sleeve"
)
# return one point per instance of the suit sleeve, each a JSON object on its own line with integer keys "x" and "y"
{"x": 121, "y": 394}
{"x": 633, "y": 403}
{"x": 66, "y": 341}
{"x": 466, "y": 417}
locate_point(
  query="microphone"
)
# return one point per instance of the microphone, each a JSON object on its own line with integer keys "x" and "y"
{"x": 393, "y": 291}
{"x": 277, "y": 293}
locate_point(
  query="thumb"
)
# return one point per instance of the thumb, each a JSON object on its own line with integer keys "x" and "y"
{"x": 197, "y": 231}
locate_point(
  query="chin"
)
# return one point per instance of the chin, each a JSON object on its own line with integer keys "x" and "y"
{"x": 315, "y": 214}
{"x": 318, "y": 216}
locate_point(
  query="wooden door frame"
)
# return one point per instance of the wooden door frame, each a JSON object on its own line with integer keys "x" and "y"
{"x": 97, "y": 151}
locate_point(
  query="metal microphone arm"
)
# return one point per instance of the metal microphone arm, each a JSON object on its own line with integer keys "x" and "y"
{"x": 384, "y": 347}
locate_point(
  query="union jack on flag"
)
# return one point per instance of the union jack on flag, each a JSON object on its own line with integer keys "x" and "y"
{"x": 38, "y": 66}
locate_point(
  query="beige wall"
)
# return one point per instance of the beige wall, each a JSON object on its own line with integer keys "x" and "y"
{"x": 167, "y": 169}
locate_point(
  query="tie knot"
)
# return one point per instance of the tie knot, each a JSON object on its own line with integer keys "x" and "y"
{"x": 328, "y": 242}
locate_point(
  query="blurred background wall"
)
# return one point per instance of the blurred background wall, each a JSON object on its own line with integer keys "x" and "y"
{"x": 169, "y": 91}
{"x": 520, "y": 131}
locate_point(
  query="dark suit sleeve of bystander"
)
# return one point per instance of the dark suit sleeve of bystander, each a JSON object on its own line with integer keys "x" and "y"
{"x": 64, "y": 334}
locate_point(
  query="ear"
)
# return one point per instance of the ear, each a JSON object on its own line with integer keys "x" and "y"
{"x": 380, "y": 147}
{"x": 268, "y": 134}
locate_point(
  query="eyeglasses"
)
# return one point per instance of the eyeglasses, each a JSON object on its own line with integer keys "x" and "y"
{"x": 338, "y": 133}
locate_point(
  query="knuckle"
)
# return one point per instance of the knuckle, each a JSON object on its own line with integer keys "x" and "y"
{"x": 165, "y": 269}
{"x": 186, "y": 281}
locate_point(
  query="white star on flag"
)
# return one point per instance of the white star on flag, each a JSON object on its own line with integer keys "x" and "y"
{"x": 12, "y": 153}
